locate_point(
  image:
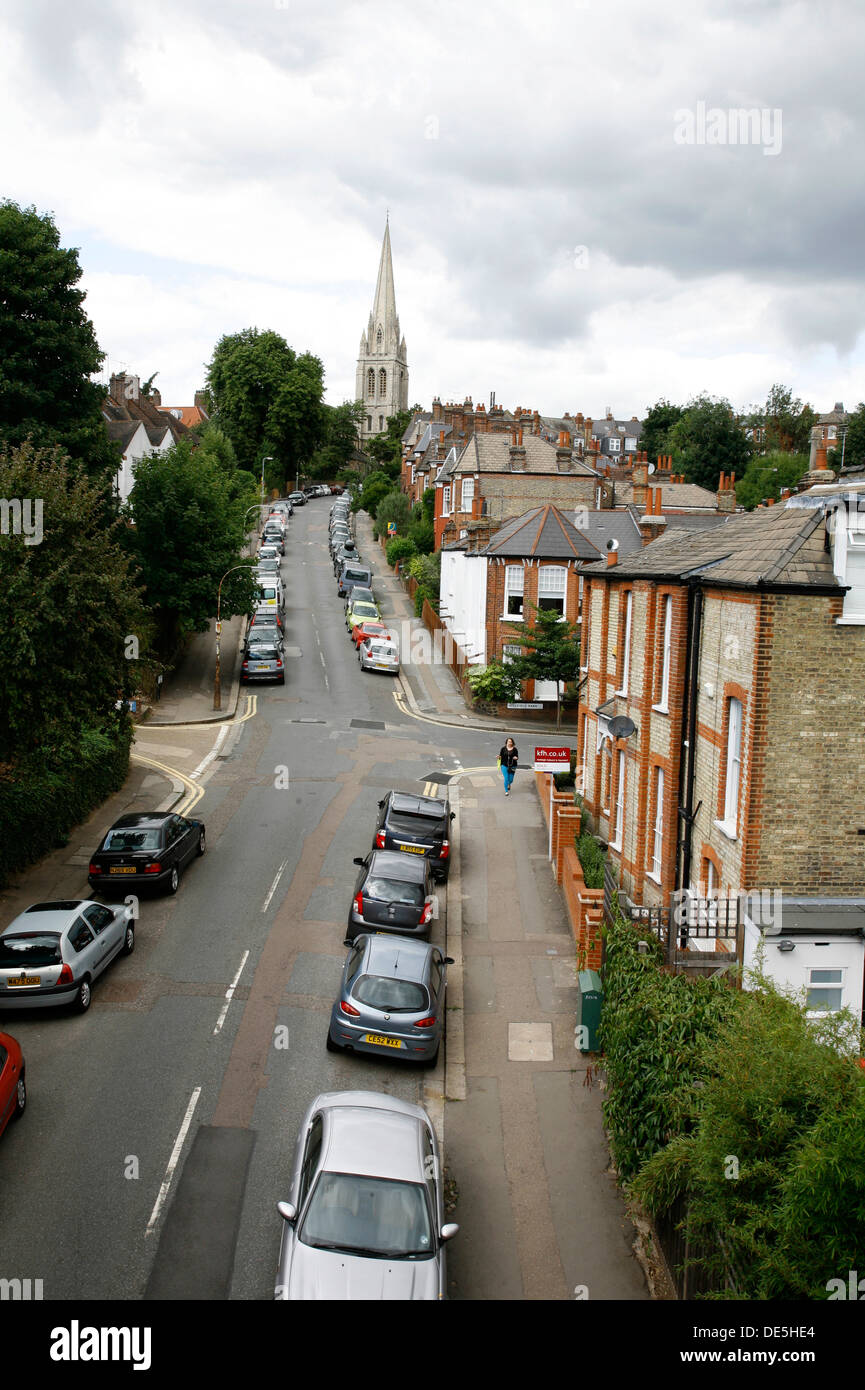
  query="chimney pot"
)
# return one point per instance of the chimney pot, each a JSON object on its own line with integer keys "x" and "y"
{"x": 612, "y": 558}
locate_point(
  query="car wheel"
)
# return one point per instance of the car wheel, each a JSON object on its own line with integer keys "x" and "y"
{"x": 174, "y": 880}
{"x": 331, "y": 1045}
{"x": 202, "y": 844}
{"x": 83, "y": 997}
{"x": 129, "y": 940}
{"x": 20, "y": 1098}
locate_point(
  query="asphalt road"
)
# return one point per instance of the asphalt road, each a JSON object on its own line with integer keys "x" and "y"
{"x": 165, "y": 1078}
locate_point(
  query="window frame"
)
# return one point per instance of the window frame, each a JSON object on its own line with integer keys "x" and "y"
{"x": 509, "y": 570}
{"x": 662, "y": 705}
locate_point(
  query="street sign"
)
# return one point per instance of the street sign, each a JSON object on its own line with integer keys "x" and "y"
{"x": 391, "y": 528}
{"x": 552, "y": 759}
{"x": 525, "y": 704}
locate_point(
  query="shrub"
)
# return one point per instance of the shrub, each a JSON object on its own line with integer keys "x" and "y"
{"x": 495, "y": 682}
{"x": 591, "y": 858}
{"x": 400, "y": 548}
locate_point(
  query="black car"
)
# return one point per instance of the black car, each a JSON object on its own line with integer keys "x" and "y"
{"x": 416, "y": 825}
{"x": 347, "y": 554}
{"x": 393, "y": 893}
{"x": 148, "y": 850}
{"x": 297, "y": 499}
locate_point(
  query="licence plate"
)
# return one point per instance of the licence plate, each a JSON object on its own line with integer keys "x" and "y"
{"x": 382, "y": 665}
{"x": 260, "y": 666}
{"x": 380, "y": 1041}
{"x": 413, "y": 849}
{"x": 115, "y": 870}
{"x": 25, "y": 980}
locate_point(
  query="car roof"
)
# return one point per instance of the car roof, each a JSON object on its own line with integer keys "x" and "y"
{"x": 141, "y": 818}
{"x": 374, "y": 1140}
{"x": 418, "y": 805}
{"x": 392, "y": 863}
{"x": 52, "y": 917}
{"x": 398, "y": 957}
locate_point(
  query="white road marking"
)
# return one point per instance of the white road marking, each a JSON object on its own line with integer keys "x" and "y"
{"x": 172, "y": 1162}
{"x": 229, "y": 994}
{"x": 213, "y": 752}
{"x": 273, "y": 886}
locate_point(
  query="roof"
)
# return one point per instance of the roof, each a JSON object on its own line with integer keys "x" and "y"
{"x": 418, "y": 805}
{"x": 543, "y": 532}
{"x": 188, "y": 415}
{"x": 673, "y": 495}
{"x": 392, "y": 863}
{"x": 378, "y": 1141}
{"x": 490, "y": 453}
{"x": 602, "y": 526}
{"x": 769, "y": 546}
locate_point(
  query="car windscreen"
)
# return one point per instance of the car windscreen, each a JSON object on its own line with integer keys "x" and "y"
{"x": 131, "y": 839}
{"x": 394, "y": 890}
{"x": 376, "y": 1217}
{"x": 364, "y": 610}
{"x": 268, "y": 593}
{"x": 405, "y": 824}
{"x": 392, "y": 996}
{"x": 26, "y": 952}
{"x": 262, "y": 653}
{"x": 378, "y": 649}
{"x": 357, "y": 576}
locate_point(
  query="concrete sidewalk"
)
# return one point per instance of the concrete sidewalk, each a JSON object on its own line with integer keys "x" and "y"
{"x": 539, "y": 1211}
{"x": 187, "y": 694}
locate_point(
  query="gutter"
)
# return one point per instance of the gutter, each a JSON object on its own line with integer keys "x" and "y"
{"x": 687, "y": 775}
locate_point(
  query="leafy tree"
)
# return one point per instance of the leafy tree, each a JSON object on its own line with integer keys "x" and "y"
{"x": 69, "y": 604}
{"x": 655, "y": 434}
{"x": 147, "y": 387}
{"x": 186, "y": 531}
{"x": 386, "y": 448}
{"x": 426, "y": 569}
{"x": 340, "y": 440}
{"x": 400, "y": 548}
{"x": 707, "y": 441}
{"x": 854, "y": 445}
{"x": 552, "y": 650}
{"x": 268, "y": 400}
{"x": 394, "y": 506}
{"x": 497, "y": 681}
{"x": 766, "y": 474}
{"x": 50, "y": 350}
{"x": 787, "y": 422}
{"x": 375, "y": 486}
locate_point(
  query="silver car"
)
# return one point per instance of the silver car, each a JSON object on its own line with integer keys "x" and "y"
{"x": 379, "y": 654}
{"x": 365, "y": 1215}
{"x": 392, "y": 1000}
{"x": 52, "y": 952}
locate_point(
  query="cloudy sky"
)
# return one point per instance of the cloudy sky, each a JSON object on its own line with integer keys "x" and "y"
{"x": 578, "y": 216}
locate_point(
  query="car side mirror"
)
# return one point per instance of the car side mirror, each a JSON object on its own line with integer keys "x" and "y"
{"x": 446, "y": 1233}
{"x": 358, "y": 861}
{"x": 453, "y": 815}
{"x": 288, "y": 1212}
{"x": 448, "y": 960}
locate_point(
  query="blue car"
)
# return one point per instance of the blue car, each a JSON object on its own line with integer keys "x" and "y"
{"x": 392, "y": 999}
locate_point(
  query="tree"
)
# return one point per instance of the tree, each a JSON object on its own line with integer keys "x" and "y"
{"x": 787, "y": 423}
{"x": 268, "y": 400}
{"x": 707, "y": 441}
{"x": 72, "y": 621}
{"x": 186, "y": 531}
{"x": 655, "y": 434}
{"x": 394, "y": 506}
{"x": 340, "y": 440}
{"x": 50, "y": 350}
{"x": 765, "y": 476}
{"x": 853, "y": 448}
{"x": 386, "y": 448}
{"x": 551, "y": 650}
{"x": 376, "y": 486}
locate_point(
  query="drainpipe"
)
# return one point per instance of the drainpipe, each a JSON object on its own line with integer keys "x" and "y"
{"x": 687, "y": 776}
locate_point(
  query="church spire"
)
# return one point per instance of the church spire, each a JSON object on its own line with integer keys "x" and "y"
{"x": 382, "y": 366}
{"x": 384, "y": 306}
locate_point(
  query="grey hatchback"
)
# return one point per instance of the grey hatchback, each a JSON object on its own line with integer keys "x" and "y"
{"x": 392, "y": 999}
{"x": 52, "y": 952}
{"x": 393, "y": 893}
{"x": 365, "y": 1218}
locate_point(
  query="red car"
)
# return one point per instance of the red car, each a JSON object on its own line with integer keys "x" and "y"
{"x": 13, "y": 1092}
{"x": 370, "y": 628}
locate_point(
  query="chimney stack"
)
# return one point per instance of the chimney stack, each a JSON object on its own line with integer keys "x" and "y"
{"x": 653, "y": 523}
{"x": 612, "y": 558}
{"x": 640, "y": 482}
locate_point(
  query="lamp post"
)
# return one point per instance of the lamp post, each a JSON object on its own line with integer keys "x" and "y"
{"x": 217, "y": 686}
{"x": 267, "y": 458}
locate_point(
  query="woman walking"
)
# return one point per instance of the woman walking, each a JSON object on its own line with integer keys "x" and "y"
{"x": 508, "y": 759}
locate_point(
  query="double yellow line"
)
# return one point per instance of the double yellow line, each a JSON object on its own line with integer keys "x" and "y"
{"x": 194, "y": 790}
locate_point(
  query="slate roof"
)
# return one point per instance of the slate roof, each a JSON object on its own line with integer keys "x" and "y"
{"x": 490, "y": 453}
{"x": 673, "y": 495}
{"x": 770, "y": 546}
{"x": 545, "y": 533}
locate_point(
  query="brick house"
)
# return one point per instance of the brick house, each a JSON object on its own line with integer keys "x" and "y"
{"x": 738, "y": 654}
{"x": 138, "y": 425}
{"x": 489, "y": 580}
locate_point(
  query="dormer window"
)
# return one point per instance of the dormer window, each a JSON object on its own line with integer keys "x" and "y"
{"x": 848, "y": 545}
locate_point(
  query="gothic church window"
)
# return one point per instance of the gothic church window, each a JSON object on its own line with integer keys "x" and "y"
{"x": 370, "y": 382}
{"x": 382, "y": 382}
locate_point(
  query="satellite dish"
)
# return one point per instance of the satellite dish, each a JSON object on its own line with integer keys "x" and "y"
{"x": 651, "y": 469}
{"x": 621, "y": 726}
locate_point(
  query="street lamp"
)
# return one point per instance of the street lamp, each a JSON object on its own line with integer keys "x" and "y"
{"x": 217, "y": 686}
{"x": 268, "y": 458}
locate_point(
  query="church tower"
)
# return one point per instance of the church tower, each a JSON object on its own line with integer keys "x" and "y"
{"x": 382, "y": 368}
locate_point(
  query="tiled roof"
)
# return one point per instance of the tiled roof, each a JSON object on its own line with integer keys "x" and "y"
{"x": 490, "y": 453}
{"x": 773, "y": 545}
{"x": 543, "y": 532}
{"x": 673, "y": 495}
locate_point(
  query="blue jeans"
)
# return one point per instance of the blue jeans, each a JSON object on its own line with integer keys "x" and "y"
{"x": 507, "y": 776}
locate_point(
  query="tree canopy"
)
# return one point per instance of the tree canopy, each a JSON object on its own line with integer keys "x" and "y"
{"x": 655, "y": 434}
{"x": 706, "y": 441}
{"x": 50, "y": 350}
{"x": 765, "y": 476}
{"x": 854, "y": 445}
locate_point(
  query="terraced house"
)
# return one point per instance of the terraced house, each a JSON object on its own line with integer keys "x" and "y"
{"x": 738, "y": 654}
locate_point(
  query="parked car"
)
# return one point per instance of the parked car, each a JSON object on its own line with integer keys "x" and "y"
{"x": 263, "y": 660}
{"x": 393, "y": 892}
{"x": 13, "y": 1087}
{"x": 270, "y": 596}
{"x": 148, "y": 849}
{"x": 268, "y": 567}
{"x": 358, "y": 610}
{"x": 392, "y": 999}
{"x": 416, "y": 825}
{"x": 365, "y": 1215}
{"x": 52, "y": 952}
{"x": 379, "y": 654}
{"x": 297, "y": 499}
{"x": 268, "y": 552}
{"x": 361, "y": 631}
{"x": 262, "y": 620}
{"x": 339, "y": 533}
{"x": 274, "y": 535}
{"x": 352, "y": 575}
{"x": 347, "y": 554}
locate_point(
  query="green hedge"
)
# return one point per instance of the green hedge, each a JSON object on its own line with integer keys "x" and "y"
{"x": 400, "y": 548}
{"x": 44, "y": 796}
{"x": 591, "y": 858}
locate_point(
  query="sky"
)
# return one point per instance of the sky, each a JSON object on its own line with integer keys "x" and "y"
{"x": 592, "y": 203}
